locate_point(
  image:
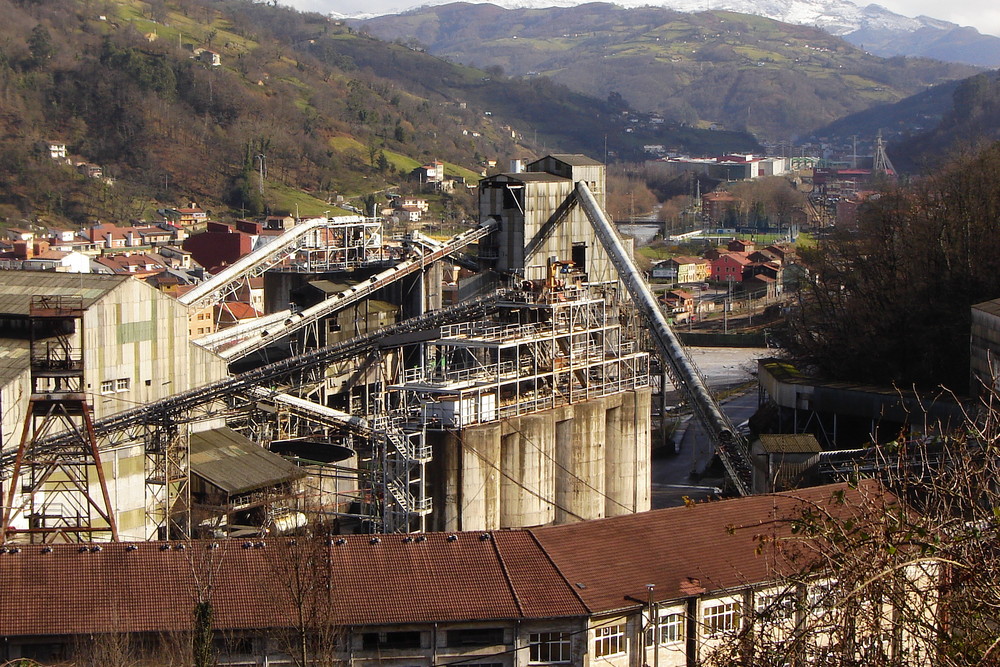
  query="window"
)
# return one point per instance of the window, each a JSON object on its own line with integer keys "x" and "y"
{"x": 820, "y": 600}
{"x": 122, "y": 384}
{"x": 371, "y": 641}
{"x": 776, "y": 606}
{"x": 721, "y": 618}
{"x": 547, "y": 647}
{"x": 609, "y": 640}
{"x": 671, "y": 629}
{"x": 475, "y": 637}
{"x": 108, "y": 387}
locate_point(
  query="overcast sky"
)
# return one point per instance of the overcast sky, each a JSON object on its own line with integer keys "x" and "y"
{"x": 983, "y": 15}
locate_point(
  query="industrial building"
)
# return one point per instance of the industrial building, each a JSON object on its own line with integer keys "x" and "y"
{"x": 526, "y": 403}
{"x": 602, "y": 592}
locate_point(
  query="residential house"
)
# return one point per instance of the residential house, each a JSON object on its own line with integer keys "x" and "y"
{"x": 432, "y": 172}
{"x": 680, "y": 304}
{"x": 729, "y": 267}
{"x": 409, "y": 213}
{"x": 418, "y": 203}
{"x": 20, "y": 234}
{"x": 90, "y": 170}
{"x": 57, "y": 150}
{"x": 720, "y": 206}
{"x": 280, "y": 222}
{"x": 664, "y": 587}
{"x": 741, "y": 245}
{"x": 765, "y": 255}
{"x": 209, "y": 57}
{"x": 139, "y": 265}
{"x": 185, "y": 216}
{"x": 201, "y": 321}
{"x": 231, "y": 313}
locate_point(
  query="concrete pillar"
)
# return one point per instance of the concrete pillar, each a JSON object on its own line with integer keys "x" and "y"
{"x": 526, "y": 486}
{"x": 446, "y": 482}
{"x": 580, "y": 449}
{"x": 619, "y": 462}
{"x": 480, "y": 477}
{"x": 628, "y": 452}
{"x": 643, "y": 448}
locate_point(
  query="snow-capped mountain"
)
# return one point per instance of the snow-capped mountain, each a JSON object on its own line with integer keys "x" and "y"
{"x": 838, "y": 17}
{"x": 873, "y": 27}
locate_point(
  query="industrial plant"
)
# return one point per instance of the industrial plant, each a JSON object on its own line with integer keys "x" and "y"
{"x": 360, "y": 401}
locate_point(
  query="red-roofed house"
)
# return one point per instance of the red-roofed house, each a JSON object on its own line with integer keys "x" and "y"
{"x": 729, "y": 267}
{"x": 219, "y": 246}
{"x": 232, "y": 313}
{"x": 717, "y": 206}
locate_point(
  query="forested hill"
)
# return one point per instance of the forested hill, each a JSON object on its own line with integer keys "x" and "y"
{"x": 321, "y": 110}
{"x": 775, "y": 79}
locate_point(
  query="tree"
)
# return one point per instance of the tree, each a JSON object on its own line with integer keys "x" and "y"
{"x": 303, "y": 574}
{"x": 919, "y": 258}
{"x": 40, "y": 45}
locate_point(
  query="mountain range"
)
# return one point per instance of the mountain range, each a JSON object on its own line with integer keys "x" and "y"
{"x": 872, "y": 27}
{"x": 738, "y": 71}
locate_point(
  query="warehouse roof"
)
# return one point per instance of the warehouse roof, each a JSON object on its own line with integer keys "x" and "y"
{"x": 235, "y": 464}
{"x": 17, "y": 288}
{"x": 573, "y": 570}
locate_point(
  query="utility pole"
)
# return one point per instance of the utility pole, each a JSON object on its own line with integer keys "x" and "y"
{"x": 260, "y": 167}
{"x": 654, "y": 624}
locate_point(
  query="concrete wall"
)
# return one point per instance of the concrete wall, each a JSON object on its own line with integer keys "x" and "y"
{"x": 582, "y": 461}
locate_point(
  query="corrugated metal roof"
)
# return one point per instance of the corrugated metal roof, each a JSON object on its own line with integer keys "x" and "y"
{"x": 789, "y": 443}
{"x": 14, "y": 356}
{"x": 235, "y": 464}
{"x": 17, "y": 288}
{"x": 991, "y": 307}
{"x": 575, "y": 159}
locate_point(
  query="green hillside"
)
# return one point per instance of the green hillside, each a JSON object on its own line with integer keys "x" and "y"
{"x": 316, "y": 109}
{"x": 741, "y": 71}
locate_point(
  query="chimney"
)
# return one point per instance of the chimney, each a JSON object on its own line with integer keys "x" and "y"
{"x": 41, "y": 247}
{"x": 516, "y": 166}
{"x": 22, "y": 250}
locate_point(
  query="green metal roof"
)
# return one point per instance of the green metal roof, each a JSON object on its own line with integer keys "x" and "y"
{"x": 235, "y": 464}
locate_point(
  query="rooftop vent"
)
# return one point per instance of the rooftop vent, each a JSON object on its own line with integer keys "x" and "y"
{"x": 375, "y": 540}
{"x": 453, "y": 538}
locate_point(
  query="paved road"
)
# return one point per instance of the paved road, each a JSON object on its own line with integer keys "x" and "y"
{"x": 687, "y": 472}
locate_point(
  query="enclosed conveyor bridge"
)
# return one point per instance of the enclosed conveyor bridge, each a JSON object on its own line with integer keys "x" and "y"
{"x": 238, "y": 342}
{"x": 730, "y": 446}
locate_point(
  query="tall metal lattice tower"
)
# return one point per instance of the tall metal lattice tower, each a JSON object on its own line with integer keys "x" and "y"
{"x": 881, "y": 165}
{"x": 64, "y": 494}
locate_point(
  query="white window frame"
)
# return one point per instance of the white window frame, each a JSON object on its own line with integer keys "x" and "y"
{"x": 558, "y": 646}
{"x": 721, "y": 617}
{"x": 609, "y": 640}
{"x": 107, "y": 387}
{"x": 670, "y": 628}
{"x": 778, "y": 606}
{"x": 123, "y": 384}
